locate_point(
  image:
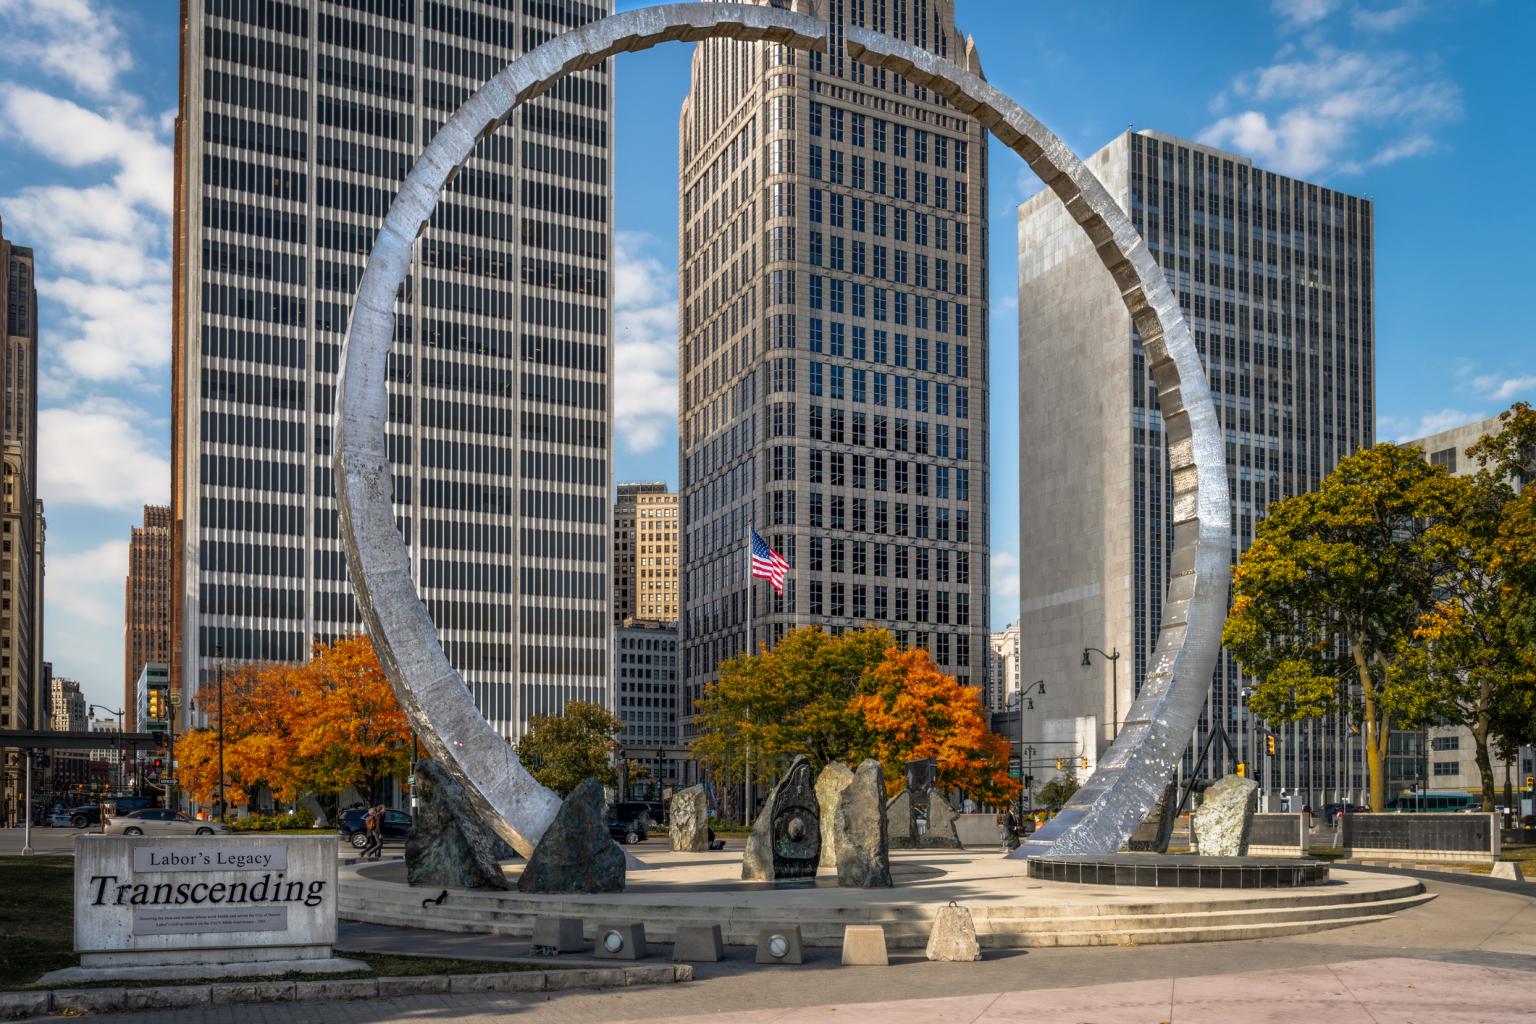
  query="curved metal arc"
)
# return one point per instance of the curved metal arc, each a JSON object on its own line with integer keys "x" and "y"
{"x": 1132, "y": 773}
{"x": 432, "y": 692}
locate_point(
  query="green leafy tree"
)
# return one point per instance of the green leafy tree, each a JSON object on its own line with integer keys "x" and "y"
{"x": 791, "y": 699}
{"x": 1472, "y": 650}
{"x": 1055, "y": 794}
{"x": 1331, "y": 589}
{"x": 564, "y": 750}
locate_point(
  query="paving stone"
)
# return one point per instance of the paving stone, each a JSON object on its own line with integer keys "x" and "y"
{"x": 345, "y": 988}
{"x": 512, "y": 981}
{"x": 23, "y": 1004}
{"x": 429, "y": 984}
{"x": 557, "y": 981}
{"x": 254, "y": 992}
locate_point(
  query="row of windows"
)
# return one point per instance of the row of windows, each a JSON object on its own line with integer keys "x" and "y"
{"x": 873, "y": 178}
{"x": 838, "y": 121}
{"x": 860, "y": 515}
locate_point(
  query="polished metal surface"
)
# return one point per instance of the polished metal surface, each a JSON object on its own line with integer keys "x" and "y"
{"x": 434, "y": 695}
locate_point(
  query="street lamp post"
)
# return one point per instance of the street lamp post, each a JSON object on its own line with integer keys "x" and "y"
{"x": 1023, "y": 703}
{"x": 218, "y": 672}
{"x": 1114, "y": 685}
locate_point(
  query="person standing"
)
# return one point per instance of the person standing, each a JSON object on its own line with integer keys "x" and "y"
{"x": 373, "y": 823}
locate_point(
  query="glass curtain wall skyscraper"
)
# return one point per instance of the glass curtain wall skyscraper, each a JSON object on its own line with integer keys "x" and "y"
{"x": 833, "y": 345}
{"x": 298, "y": 122}
{"x": 1276, "y": 277}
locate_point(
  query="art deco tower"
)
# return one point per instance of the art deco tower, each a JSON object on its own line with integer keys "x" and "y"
{"x": 833, "y": 348}
{"x": 146, "y": 604}
{"x": 23, "y": 704}
{"x": 299, "y": 120}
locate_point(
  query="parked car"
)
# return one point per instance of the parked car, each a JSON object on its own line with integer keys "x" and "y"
{"x": 59, "y": 819}
{"x": 350, "y": 826}
{"x": 629, "y": 831}
{"x": 157, "y": 821}
{"x": 1331, "y": 811}
{"x": 1529, "y": 821}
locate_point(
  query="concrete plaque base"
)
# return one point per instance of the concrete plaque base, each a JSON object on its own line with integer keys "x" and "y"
{"x": 188, "y": 971}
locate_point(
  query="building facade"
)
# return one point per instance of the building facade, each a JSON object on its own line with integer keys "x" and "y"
{"x": 1275, "y": 276}
{"x": 1003, "y": 671}
{"x": 833, "y": 346}
{"x": 645, "y": 553}
{"x": 646, "y": 667}
{"x": 298, "y": 122}
{"x": 24, "y": 697}
{"x": 146, "y": 603}
{"x": 67, "y": 706}
{"x": 1448, "y": 753}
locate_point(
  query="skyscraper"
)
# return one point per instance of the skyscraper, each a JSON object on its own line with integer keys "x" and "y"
{"x": 24, "y": 701}
{"x": 146, "y": 604}
{"x": 645, "y": 568}
{"x": 21, "y": 705}
{"x": 298, "y": 122}
{"x": 1276, "y": 278}
{"x": 832, "y": 266}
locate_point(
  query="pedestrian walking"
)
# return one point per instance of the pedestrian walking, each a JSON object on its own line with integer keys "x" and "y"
{"x": 373, "y": 822}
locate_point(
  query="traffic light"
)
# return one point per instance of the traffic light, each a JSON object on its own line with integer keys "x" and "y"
{"x": 1061, "y": 763}
{"x": 154, "y": 706}
{"x": 1085, "y": 762}
{"x": 1242, "y": 770}
{"x": 1530, "y": 783}
{"x": 1269, "y": 745}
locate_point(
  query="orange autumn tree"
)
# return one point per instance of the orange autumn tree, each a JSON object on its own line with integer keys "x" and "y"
{"x": 912, "y": 710}
{"x": 257, "y": 743}
{"x": 347, "y": 728}
{"x": 316, "y": 728}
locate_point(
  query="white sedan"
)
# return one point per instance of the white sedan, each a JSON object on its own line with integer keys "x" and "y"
{"x": 156, "y": 821}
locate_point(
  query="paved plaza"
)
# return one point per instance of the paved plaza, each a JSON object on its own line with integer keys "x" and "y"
{"x": 1469, "y": 955}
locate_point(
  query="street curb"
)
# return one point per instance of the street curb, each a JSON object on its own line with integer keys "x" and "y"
{"x": 17, "y": 1005}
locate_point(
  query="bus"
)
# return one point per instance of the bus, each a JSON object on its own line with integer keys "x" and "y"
{"x": 1435, "y": 801}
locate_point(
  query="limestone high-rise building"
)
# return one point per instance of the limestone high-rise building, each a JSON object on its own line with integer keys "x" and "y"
{"x": 645, "y": 559}
{"x": 146, "y": 603}
{"x": 832, "y": 266}
{"x": 1276, "y": 277}
{"x": 66, "y": 706}
{"x": 298, "y": 122}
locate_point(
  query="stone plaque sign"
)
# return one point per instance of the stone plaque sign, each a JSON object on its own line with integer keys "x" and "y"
{"x": 212, "y": 857}
{"x": 194, "y": 904}
{"x": 166, "y": 921}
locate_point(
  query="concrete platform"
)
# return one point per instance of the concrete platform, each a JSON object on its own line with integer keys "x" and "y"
{"x": 1011, "y": 910}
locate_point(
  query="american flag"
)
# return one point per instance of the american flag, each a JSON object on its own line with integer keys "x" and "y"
{"x": 767, "y": 563}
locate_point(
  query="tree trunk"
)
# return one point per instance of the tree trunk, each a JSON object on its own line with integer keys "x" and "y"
{"x": 1376, "y": 732}
{"x": 1484, "y": 762}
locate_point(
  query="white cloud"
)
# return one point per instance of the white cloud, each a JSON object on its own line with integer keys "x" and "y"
{"x": 1005, "y": 575}
{"x": 1505, "y": 389}
{"x": 1387, "y": 19}
{"x": 96, "y": 454}
{"x": 1304, "y": 12}
{"x": 76, "y": 40}
{"x": 1400, "y": 430}
{"x": 1328, "y": 102}
{"x": 645, "y": 344}
{"x": 84, "y": 600}
{"x": 101, "y": 246}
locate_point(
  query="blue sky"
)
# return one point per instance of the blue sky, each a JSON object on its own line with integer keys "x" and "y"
{"x": 1420, "y": 104}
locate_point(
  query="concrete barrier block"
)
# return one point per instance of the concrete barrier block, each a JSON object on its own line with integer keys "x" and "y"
{"x": 351, "y": 988}
{"x": 71, "y": 1001}
{"x": 23, "y": 1004}
{"x": 699, "y": 943}
{"x": 621, "y": 942}
{"x": 864, "y": 946}
{"x": 514, "y": 981}
{"x": 658, "y": 974}
{"x": 254, "y": 992}
{"x": 1509, "y": 870}
{"x": 780, "y": 946}
{"x": 606, "y": 977}
{"x": 558, "y": 934}
{"x": 429, "y": 984}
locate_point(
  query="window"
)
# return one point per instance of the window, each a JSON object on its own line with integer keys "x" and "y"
{"x": 1447, "y": 767}
{"x": 1445, "y": 743}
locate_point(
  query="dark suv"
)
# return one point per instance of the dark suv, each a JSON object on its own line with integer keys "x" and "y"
{"x": 629, "y": 831}
{"x": 90, "y": 814}
{"x": 397, "y": 825}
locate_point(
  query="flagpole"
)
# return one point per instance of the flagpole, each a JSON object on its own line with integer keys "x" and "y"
{"x": 746, "y": 772}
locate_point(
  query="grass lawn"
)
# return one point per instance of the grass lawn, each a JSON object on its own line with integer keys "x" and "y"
{"x": 37, "y": 920}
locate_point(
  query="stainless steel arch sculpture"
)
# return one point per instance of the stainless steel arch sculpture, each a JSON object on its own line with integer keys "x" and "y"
{"x": 1132, "y": 773}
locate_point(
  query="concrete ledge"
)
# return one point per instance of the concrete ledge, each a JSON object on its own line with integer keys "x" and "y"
{"x": 157, "y": 997}
{"x": 173, "y": 972}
